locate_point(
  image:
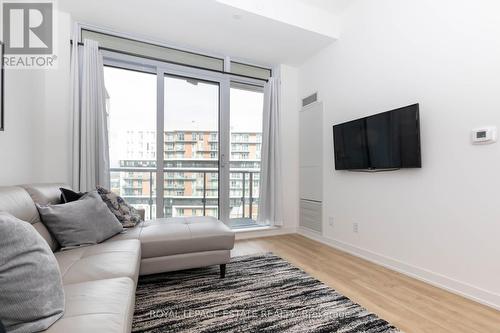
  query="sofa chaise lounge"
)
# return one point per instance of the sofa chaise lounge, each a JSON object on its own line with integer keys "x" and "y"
{"x": 100, "y": 280}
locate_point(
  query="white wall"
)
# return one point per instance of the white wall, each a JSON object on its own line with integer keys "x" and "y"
{"x": 441, "y": 222}
{"x": 23, "y": 91}
{"x": 54, "y": 118}
{"x": 35, "y": 144}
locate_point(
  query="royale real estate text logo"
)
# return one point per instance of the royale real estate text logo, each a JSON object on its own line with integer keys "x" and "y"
{"x": 28, "y": 34}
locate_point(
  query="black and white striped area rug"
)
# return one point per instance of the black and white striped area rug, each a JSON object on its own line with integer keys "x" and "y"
{"x": 261, "y": 293}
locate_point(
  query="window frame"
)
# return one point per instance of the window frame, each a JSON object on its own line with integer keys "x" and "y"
{"x": 227, "y": 59}
{"x": 225, "y": 80}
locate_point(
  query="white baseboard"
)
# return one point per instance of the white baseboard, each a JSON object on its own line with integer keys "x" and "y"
{"x": 264, "y": 232}
{"x": 466, "y": 290}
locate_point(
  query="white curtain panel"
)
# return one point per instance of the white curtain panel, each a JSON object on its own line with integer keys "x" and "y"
{"x": 75, "y": 111}
{"x": 270, "y": 188}
{"x": 89, "y": 118}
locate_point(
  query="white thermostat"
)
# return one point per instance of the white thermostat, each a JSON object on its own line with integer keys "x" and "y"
{"x": 484, "y": 135}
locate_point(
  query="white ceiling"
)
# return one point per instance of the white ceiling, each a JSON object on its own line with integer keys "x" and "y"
{"x": 207, "y": 25}
{"x": 332, "y": 6}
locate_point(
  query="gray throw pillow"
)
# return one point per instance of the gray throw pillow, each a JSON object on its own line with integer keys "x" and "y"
{"x": 83, "y": 222}
{"x": 31, "y": 291}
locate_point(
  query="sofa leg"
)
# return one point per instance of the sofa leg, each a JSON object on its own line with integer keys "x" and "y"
{"x": 222, "y": 271}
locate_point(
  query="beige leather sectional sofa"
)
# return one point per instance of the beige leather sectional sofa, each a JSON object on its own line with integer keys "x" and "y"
{"x": 100, "y": 280}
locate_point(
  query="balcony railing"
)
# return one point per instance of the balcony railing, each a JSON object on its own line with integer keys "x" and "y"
{"x": 130, "y": 193}
{"x": 194, "y": 196}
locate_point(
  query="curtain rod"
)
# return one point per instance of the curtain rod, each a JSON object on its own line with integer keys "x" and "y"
{"x": 174, "y": 63}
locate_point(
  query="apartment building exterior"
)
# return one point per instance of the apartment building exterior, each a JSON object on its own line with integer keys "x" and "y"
{"x": 191, "y": 173}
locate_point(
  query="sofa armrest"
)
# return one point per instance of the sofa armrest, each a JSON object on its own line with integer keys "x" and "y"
{"x": 142, "y": 213}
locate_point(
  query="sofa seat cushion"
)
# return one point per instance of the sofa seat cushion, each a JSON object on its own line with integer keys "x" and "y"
{"x": 101, "y": 261}
{"x": 176, "y": 235}
{"x": 97, "y": 306}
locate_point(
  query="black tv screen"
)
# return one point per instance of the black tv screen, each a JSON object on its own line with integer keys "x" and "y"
{"x": 388, "y": 140}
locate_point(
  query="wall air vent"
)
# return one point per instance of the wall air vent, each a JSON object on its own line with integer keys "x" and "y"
{"x": 310, "y": 215}
{"x": 310, "y": 99}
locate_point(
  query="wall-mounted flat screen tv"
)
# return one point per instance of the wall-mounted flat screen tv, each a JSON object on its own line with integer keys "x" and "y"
{"x": 388, "y": 140}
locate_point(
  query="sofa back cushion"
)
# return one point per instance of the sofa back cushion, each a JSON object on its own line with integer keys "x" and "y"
{"x": 31, "y": 291}
{"x": 17, "y": 202}
{"x": 46, "y": 193}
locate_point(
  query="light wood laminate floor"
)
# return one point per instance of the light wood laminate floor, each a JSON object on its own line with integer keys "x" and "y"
{"x": 411, "y": 305}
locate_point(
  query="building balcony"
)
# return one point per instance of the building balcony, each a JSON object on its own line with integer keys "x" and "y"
{"x": 185, "y": 200}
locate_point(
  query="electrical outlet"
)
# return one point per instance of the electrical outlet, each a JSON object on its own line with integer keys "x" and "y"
{"x": 330, "y": 221}
{"x": 355, "y": 227}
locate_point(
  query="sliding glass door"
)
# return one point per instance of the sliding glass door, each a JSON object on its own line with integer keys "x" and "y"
{"x": 191, "y": 147}
{"x": 246, "y": 108}
{"x": 132, "y": 136}
{"x": 184, "y": 142}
